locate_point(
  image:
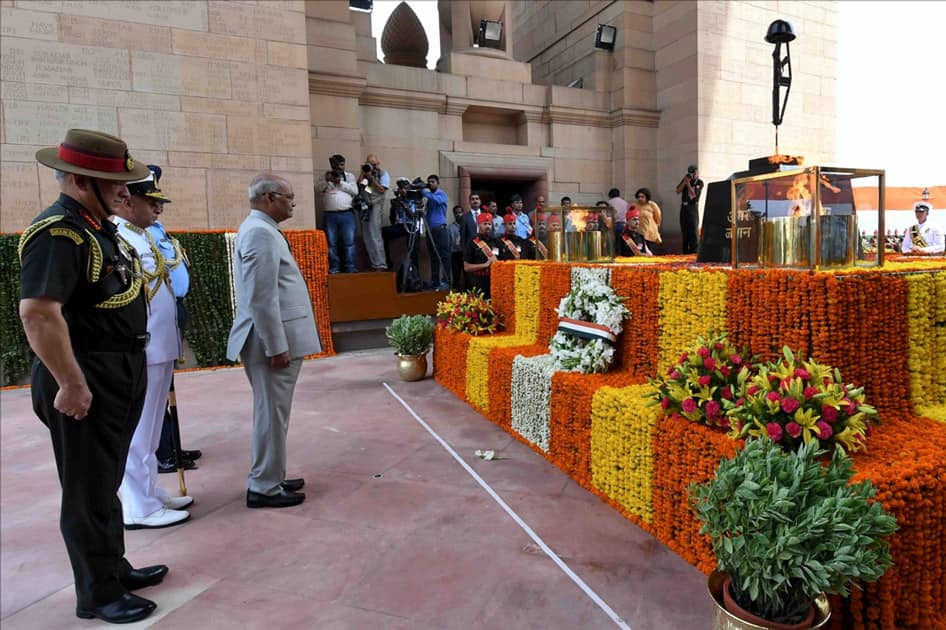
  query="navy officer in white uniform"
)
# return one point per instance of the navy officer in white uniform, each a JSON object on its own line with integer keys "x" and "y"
{"x": 144, "y": 505}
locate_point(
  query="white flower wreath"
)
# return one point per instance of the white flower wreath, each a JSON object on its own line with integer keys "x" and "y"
{"x": 590, "y": 300}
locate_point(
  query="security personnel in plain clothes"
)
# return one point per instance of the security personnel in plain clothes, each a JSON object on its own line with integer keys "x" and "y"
{"x": 85, "y": 315}
{"x": 480, "y": 254}
{"x": 144, "y": 504}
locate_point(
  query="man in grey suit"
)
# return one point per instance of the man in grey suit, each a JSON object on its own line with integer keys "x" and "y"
{"x": 273, "y": 329}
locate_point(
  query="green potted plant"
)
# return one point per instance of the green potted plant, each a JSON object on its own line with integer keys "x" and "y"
{"x": 786, "y": 529}
{"x": 411, "y": 337}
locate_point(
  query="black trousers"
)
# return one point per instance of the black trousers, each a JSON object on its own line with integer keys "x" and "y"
{"x": 90, "y": 459}
{"x": 689, "y": 220}
{"x": 456, "y": 264}
{"x": 165, "y": 452}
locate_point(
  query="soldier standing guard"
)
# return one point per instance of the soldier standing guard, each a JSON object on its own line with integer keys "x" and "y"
{"x": 85, "y": 317}
{"x": 480, "y": 255}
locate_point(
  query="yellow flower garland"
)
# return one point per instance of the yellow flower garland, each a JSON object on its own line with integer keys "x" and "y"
{"x": 692, "y": 304}
{"x": 527, "y": 328}
{"x": 622, "y": 462}
{"x": 926, "y": 343}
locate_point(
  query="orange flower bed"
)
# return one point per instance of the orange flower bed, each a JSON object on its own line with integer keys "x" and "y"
{"x": 502, "y": 286}
{"x": 640, "y": 289}
{"x": 865, "y": 336}
{"x": 450, "y": 360}
{"x": 789, "y": 299}
{"x": 684, "y": 452}
{"x": 310, "y": 249}
{"x": 856, "y": 321}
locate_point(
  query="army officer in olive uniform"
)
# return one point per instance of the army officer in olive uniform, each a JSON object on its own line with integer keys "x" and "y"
{"x": 85, "y": 317}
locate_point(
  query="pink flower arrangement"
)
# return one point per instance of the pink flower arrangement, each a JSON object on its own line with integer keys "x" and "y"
{"x": 792, "y": 401}
{"x": 703, "y": 383}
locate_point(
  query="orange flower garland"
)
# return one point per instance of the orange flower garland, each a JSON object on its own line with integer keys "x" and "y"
{"x": 842, "y": 319}
{"x": 310, "y": 249}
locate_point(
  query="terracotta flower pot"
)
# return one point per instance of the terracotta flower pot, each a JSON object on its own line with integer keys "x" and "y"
{"x": 736, "y": 618}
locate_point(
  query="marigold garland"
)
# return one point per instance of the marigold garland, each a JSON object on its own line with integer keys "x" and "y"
{"x": 906, "y": 455}
{"x": 692, "y": 303}
{"x": 310, "y": 249}
{"x": 622, "y": 427}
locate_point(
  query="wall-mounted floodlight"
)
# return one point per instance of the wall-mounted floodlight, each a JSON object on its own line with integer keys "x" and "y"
{"x": 490, "y": 34}
{"x": 605, "y": 37}
{"x": 577, "y": 83}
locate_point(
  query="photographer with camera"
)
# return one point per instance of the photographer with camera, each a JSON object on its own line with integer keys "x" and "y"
{"x": 338, "y": 190}
{"x": 438, "y": 238}
{"x": 690, "y": 188}
{"x": 405, "y": 223}
{"x": 375, "y": 182}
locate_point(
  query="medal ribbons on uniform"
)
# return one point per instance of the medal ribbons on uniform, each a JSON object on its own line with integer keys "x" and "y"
{"x": 586, "y": 330}
{"x": 512, "y": 248}
{"x": 916, "y": 237}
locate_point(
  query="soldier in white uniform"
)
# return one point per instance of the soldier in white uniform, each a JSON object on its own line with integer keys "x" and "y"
{"x": 144, "y": 505}
{"x": 923, "y": 237}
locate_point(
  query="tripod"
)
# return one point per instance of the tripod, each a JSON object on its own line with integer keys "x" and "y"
{"x": 407, "y": 269}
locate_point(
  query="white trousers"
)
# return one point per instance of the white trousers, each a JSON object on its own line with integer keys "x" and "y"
{"x": 139, "y": 492}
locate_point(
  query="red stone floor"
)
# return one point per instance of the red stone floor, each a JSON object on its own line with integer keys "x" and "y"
{"x": 394, "y": 533}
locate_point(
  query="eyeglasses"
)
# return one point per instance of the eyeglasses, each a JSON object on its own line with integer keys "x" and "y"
{"x": 290, "y": 197}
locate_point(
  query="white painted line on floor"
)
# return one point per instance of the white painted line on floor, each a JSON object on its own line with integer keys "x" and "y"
{"x": 603, "y": 605}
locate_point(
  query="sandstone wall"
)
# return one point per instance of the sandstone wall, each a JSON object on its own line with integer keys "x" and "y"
{"x": 211, "y": 91}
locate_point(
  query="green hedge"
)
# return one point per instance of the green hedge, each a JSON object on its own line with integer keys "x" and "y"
{"x": 15, "y": 353}
{"x": 208, "y": 300}
{"x": 208, "y": 304}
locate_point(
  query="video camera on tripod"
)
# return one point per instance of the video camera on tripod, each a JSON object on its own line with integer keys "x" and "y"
{"x": 407, "y": 205}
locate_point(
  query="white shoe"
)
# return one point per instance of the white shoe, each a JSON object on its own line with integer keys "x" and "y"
{"x": 158, "y": 519}
{"x": 177, "y": 503}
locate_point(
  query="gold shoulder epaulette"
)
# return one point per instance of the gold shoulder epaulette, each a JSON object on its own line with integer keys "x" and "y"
{"x": 33, "y": 230}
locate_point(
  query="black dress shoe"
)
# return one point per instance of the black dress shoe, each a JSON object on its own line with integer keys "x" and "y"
{"x": 168, "y": 466}
{"x": 191, "y": 455}
{"x": 126, "y": 609}
{"x": 144, "y": 577}
{"x": 293, "y": 485}
{"x": 282, "y": 498}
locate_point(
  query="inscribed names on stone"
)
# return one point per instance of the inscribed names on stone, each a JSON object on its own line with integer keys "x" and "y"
{"x": 29, "y": 24}
{"x": 173, "y": 131}
{"x": 12, "y": 91}
{"x": 244, "y": 85}
{"x": 262, "y": 21}
{"x": 175, "y": 74}
{"x": 55, "y": 63}
{"x": 30, "y": 122}
{"x": 214, "y": 45}
{"x": 114, "y": 34}
{"x": 173, "y": 13}
{"x": 120, "y": 98}
{"x": 19, "y": 202}
{"x": 288, "y": 86}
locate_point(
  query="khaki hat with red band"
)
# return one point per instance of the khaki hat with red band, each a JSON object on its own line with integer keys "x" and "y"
{"x": 93, "y": 154}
